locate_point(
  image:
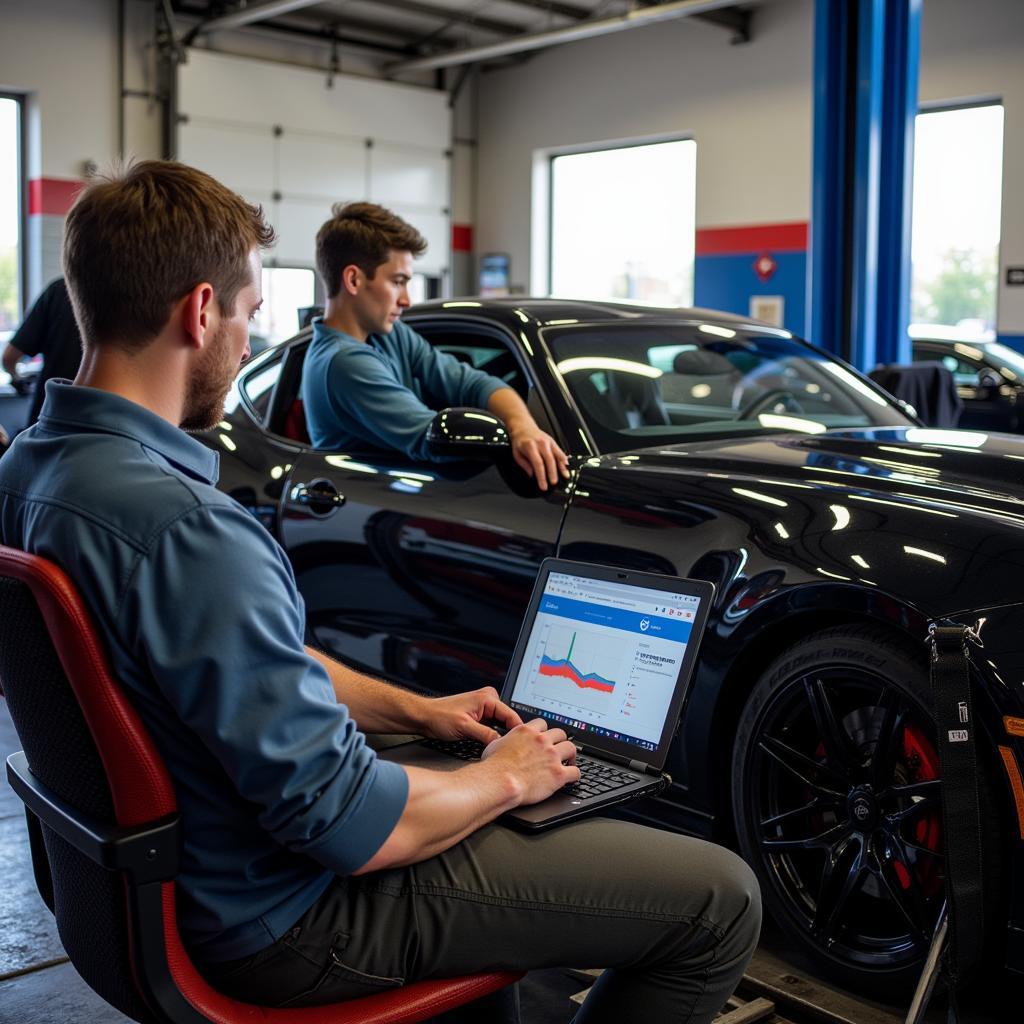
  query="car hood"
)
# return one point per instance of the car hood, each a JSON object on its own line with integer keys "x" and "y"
{"x": 983, "y": 471}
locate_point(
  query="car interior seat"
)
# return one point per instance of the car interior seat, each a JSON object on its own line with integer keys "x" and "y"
{"x": 637, "y": 398}
{"x": 105, "y": 834}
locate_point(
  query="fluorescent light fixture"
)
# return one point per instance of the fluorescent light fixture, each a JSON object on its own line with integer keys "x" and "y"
{"x": 456, "y": 305}
{"x": 833, "y": 575}
{"x": 781, "y": 531}
{"x": 344, "y": 462}
{"x": 860, "y": 561}
{"x": 947, "y": 438}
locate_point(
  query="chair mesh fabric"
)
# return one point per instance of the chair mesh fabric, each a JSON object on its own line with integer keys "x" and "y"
{"x": 89, "y": 901}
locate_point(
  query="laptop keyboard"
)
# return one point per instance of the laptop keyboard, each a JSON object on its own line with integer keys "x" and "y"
{"x": 596, "y": 777}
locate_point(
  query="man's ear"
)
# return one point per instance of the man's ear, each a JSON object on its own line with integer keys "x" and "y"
{"x": 198, "y": 309}
{"x": 351, "y": 279}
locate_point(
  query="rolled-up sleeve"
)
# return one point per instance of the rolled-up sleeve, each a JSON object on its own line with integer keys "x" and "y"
{"x": 231, "y": 663}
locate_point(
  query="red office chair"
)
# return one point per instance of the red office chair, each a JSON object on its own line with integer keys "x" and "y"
{"x": 104, "y": 829}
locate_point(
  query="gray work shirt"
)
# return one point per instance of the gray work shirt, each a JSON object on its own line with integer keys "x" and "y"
{"x": 277, "y": 789}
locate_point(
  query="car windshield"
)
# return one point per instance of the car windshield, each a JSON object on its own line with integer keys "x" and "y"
{"x": 646, "y": 384}
{"x": 1006, "y": 358}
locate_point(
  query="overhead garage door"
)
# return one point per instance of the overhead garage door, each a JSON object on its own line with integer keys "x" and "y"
{"x": 281, "y": 137}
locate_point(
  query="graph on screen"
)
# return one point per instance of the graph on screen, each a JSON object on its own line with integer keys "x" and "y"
{"x": 579, "y": 669}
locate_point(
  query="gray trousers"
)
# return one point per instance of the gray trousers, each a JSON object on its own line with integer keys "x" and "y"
{"x": 673, "y": 920}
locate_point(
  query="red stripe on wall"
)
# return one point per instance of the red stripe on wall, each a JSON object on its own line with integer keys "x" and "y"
{"x": 755, "y": 239}
{"x": 462, "y": 238}
{"x": 52, "y": 196}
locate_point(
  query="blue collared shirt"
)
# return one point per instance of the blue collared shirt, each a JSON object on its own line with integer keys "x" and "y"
{"x": 276, "y": 787}
{"x": 385, "y": 391}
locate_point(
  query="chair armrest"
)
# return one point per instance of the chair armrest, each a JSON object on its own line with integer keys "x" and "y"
{"x": 148, "y": 853}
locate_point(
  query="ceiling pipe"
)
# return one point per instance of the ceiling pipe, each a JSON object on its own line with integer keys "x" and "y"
{"x": 247, "y": 15}
{"x": 570, "y": 34}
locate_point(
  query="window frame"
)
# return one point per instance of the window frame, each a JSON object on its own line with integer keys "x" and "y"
{"x": 22, "y": 183}
{"x": 599, "y": 147}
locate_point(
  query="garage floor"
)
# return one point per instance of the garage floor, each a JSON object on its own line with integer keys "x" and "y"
{"x": 38, "y": 985}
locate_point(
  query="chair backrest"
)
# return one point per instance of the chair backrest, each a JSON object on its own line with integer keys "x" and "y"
{"x": 84, "y": 741}
{"x": 638, "y": 398}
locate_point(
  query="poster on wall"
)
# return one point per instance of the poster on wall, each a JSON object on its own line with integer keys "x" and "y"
{"x": 769, "y": 309}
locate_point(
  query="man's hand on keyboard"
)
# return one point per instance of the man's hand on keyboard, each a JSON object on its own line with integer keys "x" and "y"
{"x": 540, "y": 759}
{"x": 463, "y": 716}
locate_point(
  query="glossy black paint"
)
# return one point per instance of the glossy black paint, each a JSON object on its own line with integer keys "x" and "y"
{"x": 421, "y": 572}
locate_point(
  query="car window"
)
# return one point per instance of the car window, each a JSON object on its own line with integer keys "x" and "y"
{"x": 653, "y": 384}
{"x": 964, "y": 371}
{"x": 481, "y": 351}
{"x": 257, "y": 386}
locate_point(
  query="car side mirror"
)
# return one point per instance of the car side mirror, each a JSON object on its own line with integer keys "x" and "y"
{"x": 467, "y": 434}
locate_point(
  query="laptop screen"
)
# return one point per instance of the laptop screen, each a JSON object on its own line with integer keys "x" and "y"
{"x": 603, "y": 659}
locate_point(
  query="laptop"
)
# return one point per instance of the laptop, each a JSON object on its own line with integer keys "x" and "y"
{"x": 607, "y": 655}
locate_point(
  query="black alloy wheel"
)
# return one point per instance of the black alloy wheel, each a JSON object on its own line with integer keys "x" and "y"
{"x": 836, "y": 796}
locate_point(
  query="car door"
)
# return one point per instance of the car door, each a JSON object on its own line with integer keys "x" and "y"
{"x": 419, "y": 572}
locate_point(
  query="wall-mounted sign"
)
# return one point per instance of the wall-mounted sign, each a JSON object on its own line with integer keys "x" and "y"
{"x": 770, "y": 309}
{"x": 1015, "y": 275}
{"x": 764, "y": 266}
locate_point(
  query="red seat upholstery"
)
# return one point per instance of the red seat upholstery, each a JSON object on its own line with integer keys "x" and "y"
{"x": 149, "y": 975}
{"x": 295, "y": 423}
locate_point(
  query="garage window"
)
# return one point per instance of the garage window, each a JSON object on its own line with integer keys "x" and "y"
{"x": 10, "y": 215}
{"x": 623, "y": 223}
{"x": 958, "y": 157}
{"x": 286, "y": 291}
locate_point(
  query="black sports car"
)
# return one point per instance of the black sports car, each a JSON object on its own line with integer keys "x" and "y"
{"x": 989, "y": 376}
{"x": 833, "y": 527}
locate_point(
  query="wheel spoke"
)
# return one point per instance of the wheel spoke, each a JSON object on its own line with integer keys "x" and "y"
{"x": 908, "y": 900}
{"x": 898, "y": 818}
{"x": 916, "y": 847}
{"x": 803, "y": 767}
{"x": 838, "y": 748}
{"x": 887, "y": 746}
{"x": 819, "y": 803}
{"x": 825, "y": 841}
{"x": 840, "y": 878}
{"x": 927, "y": 788}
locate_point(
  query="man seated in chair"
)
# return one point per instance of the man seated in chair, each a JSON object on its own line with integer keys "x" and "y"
{"x": 370, "y": 379}
{"x": 312, "y": 871}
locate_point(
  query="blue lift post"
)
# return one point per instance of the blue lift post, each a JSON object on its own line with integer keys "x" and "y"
{"x": 865, "y": 102}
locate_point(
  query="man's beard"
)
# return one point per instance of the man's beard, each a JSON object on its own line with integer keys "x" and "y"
{"x": 209, "y": 384}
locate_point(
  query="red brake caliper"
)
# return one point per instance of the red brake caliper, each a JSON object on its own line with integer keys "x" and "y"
{"x": 921, "y": 763}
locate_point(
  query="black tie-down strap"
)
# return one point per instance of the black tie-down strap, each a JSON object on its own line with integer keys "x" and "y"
{"x": 961, "y": 810}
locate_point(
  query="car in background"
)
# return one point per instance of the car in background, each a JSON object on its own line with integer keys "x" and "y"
{"x": 988, "y": 375}
{"x": 834, "y": 528}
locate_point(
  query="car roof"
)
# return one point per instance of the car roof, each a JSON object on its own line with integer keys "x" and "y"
{"x": 546, "y": 310}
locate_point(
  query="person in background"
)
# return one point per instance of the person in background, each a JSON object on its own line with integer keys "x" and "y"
{"x": 49, "y": 330}
{"x": 369, "y": 378}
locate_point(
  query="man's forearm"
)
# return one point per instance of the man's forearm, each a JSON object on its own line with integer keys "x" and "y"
{"x": 442, "y": 809}
{"x": 509, "y": 408}
{"x": 374, "y": 705}
{"x": 10, "y": 357}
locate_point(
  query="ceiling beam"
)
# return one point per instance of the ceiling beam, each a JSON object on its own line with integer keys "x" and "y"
{"x": 248, "y": 15}
{"x": 636, "y": 18}
{"x": 453, "y": 17}
{"x": 570, "y": 11}
{"x": 735, "y": 20}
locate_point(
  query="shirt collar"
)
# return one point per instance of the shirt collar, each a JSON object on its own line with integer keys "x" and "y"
{"x": 75, "y": 406}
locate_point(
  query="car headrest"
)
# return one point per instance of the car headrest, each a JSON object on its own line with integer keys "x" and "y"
{"x": 693, "y": 362}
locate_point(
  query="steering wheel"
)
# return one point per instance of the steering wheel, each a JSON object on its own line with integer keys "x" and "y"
{"x": 762, "y": 403}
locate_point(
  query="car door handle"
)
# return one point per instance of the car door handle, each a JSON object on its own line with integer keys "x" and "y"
{"x": 321, "y": 497}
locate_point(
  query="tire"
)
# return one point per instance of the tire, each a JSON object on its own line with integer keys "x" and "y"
{"x": 851, "y": 868}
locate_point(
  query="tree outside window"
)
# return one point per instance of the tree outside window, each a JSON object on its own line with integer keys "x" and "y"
{"x": 958, "y": 158}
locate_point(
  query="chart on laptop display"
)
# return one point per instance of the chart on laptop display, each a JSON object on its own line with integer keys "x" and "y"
{"x": 604, "y": 657}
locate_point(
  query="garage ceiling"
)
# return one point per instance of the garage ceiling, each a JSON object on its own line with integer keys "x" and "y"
{"x": 403, "y": 30}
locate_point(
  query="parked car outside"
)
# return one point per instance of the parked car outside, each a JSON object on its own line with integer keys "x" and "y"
{"x": 989, "y": 376}
{"x": 834, "y": 528}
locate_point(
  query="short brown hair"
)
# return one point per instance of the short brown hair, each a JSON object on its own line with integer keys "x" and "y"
{"x": 141, "y": 237}
{"x": 363, "y": 234}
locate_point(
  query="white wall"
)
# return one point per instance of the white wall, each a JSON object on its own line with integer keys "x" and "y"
{"x": 748, "y": 107}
